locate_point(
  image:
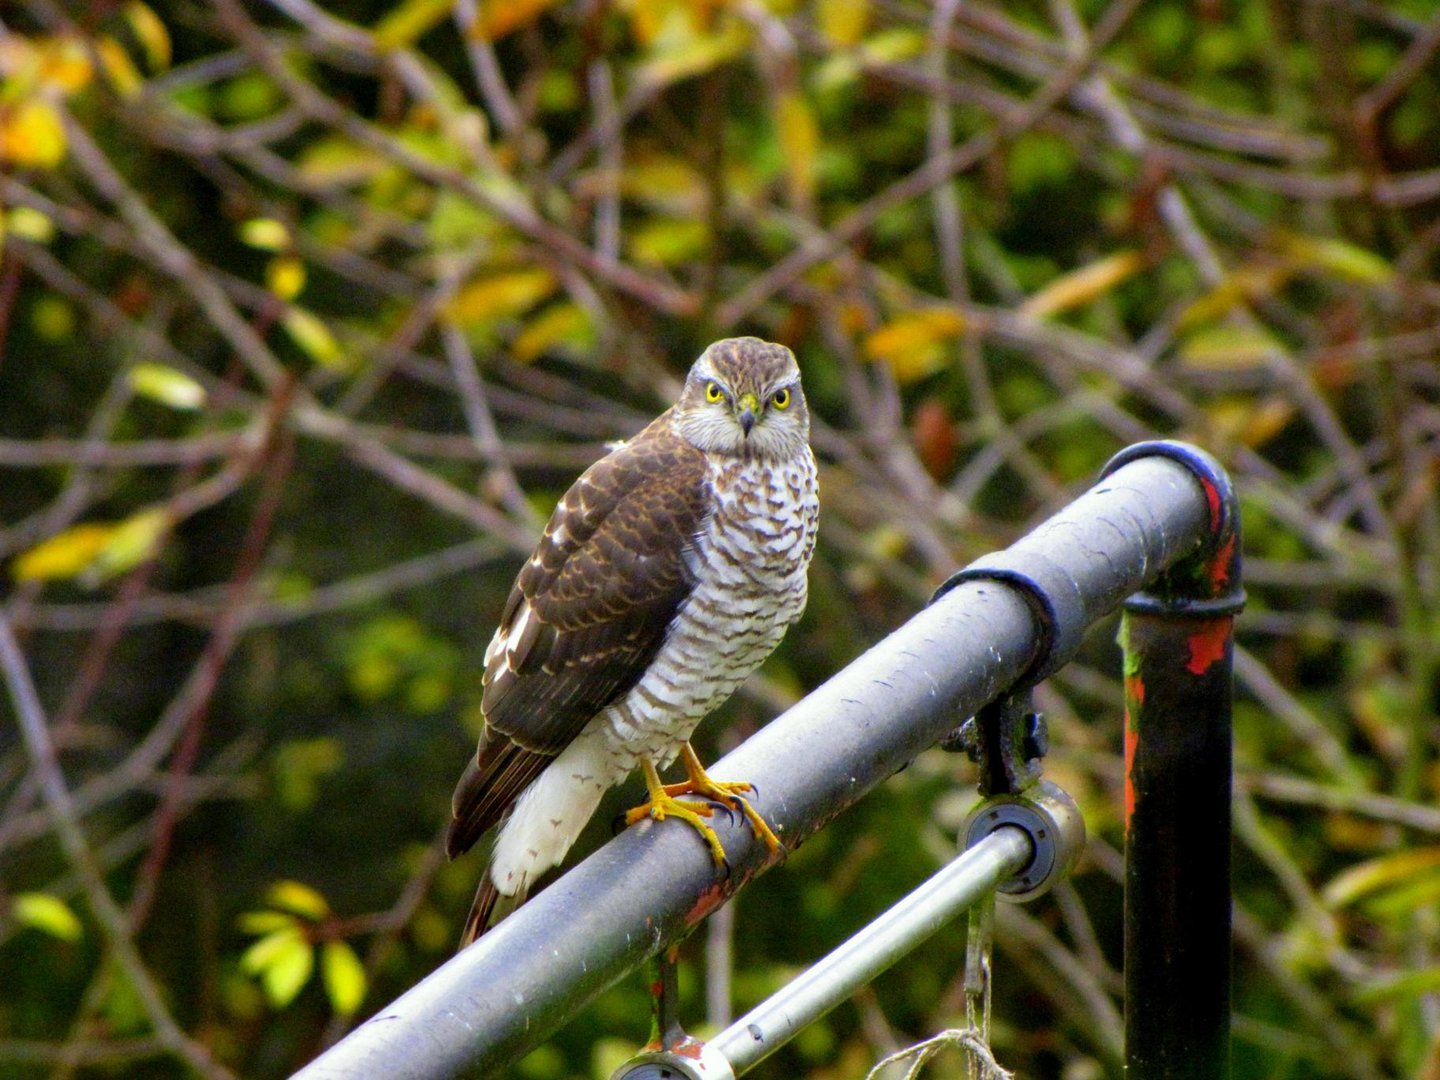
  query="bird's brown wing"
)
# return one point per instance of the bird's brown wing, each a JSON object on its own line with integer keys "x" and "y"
{"x": 587, "y": 614}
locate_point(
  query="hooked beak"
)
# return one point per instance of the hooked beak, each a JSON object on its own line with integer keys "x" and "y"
{"x": 749, "y": 406}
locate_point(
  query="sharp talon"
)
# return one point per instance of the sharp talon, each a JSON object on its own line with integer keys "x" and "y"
{"x": 665, "y": 802}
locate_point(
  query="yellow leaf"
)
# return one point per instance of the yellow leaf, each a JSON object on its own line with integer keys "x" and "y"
{"x": 65, "y": 554}
{"x": 285, "y": 276}
{"x": 46, "y": 913}
{"x": 842, "y": 22}
{"x": 694, "y": 54}
{"x": 1241, "y": 286}
{"x": 669, "y": 241}
{"x": 559, "y": 324}
{"x": 1252, "y": 423}
{"x": 893, "y": 46}
{"x": 499, "y": 296}
{"x": 343, "y": 975}
{"x": 297, "y": 897}
{"x": 914, "y": 345}
{"x": 665, "y": 182}
{"x": 266, "y": 234}
{"x": 64, "y": 64}
{"x": 262, "y": 953}
{"x": 162, "y": 383}
{"x": 799, "y": 137}
{"x": 283, "y": 961}
{"x": 150, "y": 31}
{"x": 1338, "y": 257}
{"x": 1081, "y": 286}
{"x": 408, "y": 21}
{"x": 310, "y": 333}
{"x": 1375, "y": 874}
{"x": 496, "y": 18}
{"x": 124, "y": 76}
{"x": 336, "y": 161}
{"x": 29, "y": 224}
{"x": 31, "y": 134}
{"x": 1227, "y": 348}
{"x": 131, "y": 542}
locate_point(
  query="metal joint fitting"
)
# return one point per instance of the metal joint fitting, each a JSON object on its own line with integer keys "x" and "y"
{"x": 1052, "y": 594}
{"x": 1207, "y": 584}
{"x": 1050, "y": 818}
{"x": 695, "y": 1062}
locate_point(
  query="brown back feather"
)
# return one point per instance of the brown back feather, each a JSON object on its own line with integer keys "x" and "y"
{"x": 592, "y": 608}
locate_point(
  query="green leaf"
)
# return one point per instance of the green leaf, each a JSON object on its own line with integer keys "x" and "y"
{"x": 265, "y": 922}
{"x": 1375, "y": 874}
{"x": 1412, "y": 984}
{"x": 132, "y": 542}
{"x": 288, "y": 971}
{"x": 299, "y": 766}
{"x": 283, "y": 962}
{"x": 343, "y": 975}
{"x": 262, "y": 953}
{"x": 409, "y": 20}
{"x": 266, "y": 234}
{"x": 1227, "y": 348}
{"x": 162, "y": 383}
{"x": 309, "y": 332}
{"x": 669, "y": 242}
{"x": 46, "y": 913}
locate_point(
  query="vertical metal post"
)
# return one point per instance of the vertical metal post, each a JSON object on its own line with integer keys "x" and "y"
{"x": 1177, "y": 638}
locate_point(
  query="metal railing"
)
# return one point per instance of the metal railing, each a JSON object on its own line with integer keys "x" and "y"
{"x": 1162, "y": 519}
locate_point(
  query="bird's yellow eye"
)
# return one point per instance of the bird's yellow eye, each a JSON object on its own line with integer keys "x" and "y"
{"x": 713, "y": 392}
{"x": 780, "y": 399}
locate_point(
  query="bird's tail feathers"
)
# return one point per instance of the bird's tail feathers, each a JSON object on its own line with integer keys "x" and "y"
{"x": 489, "y": 907}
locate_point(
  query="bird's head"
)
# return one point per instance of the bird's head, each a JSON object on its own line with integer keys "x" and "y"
{"x": 743, "y": 397}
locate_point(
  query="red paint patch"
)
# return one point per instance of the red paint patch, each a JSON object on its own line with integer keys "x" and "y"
{"x": 1212, "y": 499}
{"x": 1135, "y": 689}
{"x": 1220, "y": 566}
{"x": 707, "y": 902}
{"x": 1207, "y": 645}
{"x": 1132, "y": 743}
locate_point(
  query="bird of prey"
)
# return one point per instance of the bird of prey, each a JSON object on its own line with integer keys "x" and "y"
{"x": 666, "y": 575}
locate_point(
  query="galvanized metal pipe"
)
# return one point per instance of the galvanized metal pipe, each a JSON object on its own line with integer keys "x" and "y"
{"x": 487, "y": 1007}
{"x": 961, "y": 883}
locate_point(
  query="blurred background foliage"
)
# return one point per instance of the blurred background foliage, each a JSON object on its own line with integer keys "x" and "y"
{"x": 308, "y": 314}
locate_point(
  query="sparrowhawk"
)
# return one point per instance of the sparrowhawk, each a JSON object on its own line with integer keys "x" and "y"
{"x": 666, "y": 575}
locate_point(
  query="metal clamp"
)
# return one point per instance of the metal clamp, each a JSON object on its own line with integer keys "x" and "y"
{"x": 1052, "y": 821}
{"x": 1008, "y": 739}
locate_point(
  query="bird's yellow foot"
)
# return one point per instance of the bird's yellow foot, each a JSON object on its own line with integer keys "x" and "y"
{"x": 664, "y": 802}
